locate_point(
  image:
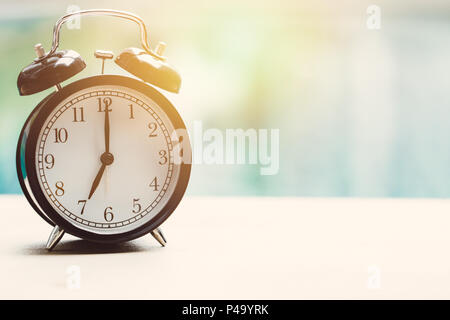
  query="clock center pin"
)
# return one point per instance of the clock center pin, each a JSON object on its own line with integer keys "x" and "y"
{"x": 107, "y": 158}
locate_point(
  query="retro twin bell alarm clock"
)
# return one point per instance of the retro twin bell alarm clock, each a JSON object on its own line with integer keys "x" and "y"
{"x": 99, "y": 158}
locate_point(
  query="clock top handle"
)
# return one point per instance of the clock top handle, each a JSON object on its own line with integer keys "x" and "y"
{"x": 102, "y": 12}
{"x": 51, "y": 68}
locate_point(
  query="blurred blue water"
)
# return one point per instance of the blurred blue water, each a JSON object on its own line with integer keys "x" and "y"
{"x": 361, "y": 112}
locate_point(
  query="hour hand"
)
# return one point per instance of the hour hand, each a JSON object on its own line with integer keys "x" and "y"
{"x": 106, "y": 159}
{"x": 97, "y": 179}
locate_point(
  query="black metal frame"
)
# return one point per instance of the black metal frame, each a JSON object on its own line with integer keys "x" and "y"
{"x": 44, "y": 109}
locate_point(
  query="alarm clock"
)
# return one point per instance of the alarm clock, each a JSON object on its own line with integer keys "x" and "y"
{"x": 105, "y": 158}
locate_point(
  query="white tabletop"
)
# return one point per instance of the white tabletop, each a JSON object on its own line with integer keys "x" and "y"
{"x": 241, "y": 248}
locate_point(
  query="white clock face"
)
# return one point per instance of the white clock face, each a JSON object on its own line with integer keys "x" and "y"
{"x": 100, "y": 190}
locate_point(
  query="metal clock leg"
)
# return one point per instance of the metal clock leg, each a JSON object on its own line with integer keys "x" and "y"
{"x": 158, "y": 235}
{"x": 56, "y": 235}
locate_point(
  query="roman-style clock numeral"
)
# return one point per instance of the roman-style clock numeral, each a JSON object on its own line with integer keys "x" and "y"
{"x": 108, "y": 214}
{"x": 61, "y": 135}
{"x": 83, "y": 202}
{"x": 131, "y": 112}
{"x": 59, "y": 188}
{"x": 103, "y": 104}
{"x": 136, "y": 206}
{"x": 154, "y": 184}
{"x": 152, "y": 126}
{"x": 163, "y": 155}
{"x": 50, "y": 161}
{"x": 78, "y": 114}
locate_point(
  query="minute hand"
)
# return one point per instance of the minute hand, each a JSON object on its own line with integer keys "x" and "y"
{"x": 106, "y": 158}
{"x": 107, "y": 125}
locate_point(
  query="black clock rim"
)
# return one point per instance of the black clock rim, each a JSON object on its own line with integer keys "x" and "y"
{"x": 19, "y": 169}
{"x": 30, "y": 157}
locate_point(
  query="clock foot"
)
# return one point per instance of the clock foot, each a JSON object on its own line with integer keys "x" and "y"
{"x": 56, "y": 235}
{"x": 158, "y": 235}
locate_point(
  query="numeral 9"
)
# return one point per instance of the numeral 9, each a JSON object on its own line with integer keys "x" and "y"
{"x": 50, "y": 161}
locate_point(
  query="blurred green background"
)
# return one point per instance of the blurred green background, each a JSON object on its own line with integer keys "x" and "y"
{"x": 361, "y": 112}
